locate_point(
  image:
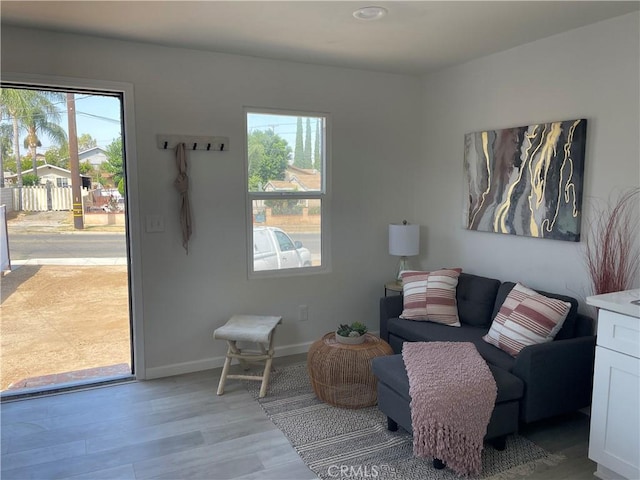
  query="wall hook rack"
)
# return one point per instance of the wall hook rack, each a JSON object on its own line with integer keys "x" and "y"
{"x": 193, "y": 142}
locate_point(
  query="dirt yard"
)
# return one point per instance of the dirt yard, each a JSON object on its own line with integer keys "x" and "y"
{"x": 57, "y": 319}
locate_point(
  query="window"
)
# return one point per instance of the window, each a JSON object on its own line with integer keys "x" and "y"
{"x": 287, "y": 188}
{"x": 62, "y": 182}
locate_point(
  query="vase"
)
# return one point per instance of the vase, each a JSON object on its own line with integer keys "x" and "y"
{"x": 349, "y": 340}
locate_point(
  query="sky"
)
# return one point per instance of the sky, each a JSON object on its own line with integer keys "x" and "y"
{"x": 100, "y": 117}
{"x": 283, "y": 125}
{"x": 97, "y": 115}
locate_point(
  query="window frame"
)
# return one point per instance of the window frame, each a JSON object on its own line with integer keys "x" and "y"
{"x": 323, "y": 195}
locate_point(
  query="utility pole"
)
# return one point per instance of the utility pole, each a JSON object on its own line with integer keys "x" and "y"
{"x": 1, "y": 169}
{"x": 76, "y": 182}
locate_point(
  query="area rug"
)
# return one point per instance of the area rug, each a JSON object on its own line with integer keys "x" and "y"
{"x": 355, "y": 443}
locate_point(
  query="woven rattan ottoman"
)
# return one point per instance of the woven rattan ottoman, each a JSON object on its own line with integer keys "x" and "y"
{"x": 341, "y": 374}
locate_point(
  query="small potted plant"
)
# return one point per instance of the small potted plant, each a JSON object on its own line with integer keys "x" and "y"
{"x": 351, "y": 334}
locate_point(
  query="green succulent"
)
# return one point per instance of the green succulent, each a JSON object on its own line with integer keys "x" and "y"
{"x": 356, "y": 329}
{"x": 361, "y": 328}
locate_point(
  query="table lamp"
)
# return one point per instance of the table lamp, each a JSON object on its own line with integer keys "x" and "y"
{"x": 404, "y": 241}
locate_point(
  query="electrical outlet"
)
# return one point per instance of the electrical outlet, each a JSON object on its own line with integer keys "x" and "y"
{"x": 154, "y": 223}
{"x": 303, "y": 313}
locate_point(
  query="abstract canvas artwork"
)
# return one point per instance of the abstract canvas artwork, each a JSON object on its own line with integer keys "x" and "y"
{"x": 526, "y": 180}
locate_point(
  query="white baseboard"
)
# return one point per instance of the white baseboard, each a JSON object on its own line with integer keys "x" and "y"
{"x": 215, "y": 362}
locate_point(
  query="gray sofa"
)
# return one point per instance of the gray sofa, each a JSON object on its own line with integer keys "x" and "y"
{"x": 557, "y": 376}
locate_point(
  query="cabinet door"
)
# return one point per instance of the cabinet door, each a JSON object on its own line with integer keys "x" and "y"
{"x": 614, "y": 440}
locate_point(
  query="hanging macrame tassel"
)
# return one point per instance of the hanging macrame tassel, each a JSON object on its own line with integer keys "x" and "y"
{"x": 182, "y": 185}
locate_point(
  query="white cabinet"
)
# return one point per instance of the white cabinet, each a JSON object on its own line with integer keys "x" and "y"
{"x": 614, "y": 441}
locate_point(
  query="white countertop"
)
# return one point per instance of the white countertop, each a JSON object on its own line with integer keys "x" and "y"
{"x": 618, "y": 302}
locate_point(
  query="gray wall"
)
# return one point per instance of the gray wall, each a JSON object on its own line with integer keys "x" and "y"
{"x": 591, "y": 72}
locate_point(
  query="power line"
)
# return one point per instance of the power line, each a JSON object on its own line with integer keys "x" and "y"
{"x": 92, "y": 115}
{"x": 7, "y": 118}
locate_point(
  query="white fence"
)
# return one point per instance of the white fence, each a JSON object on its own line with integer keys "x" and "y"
{"x": 42, "y": 198}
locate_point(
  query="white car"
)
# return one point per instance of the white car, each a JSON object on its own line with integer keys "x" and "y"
{"x": 273, "y": 249}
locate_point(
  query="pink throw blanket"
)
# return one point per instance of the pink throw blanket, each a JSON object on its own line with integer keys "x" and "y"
{"x": 452, "y": 396}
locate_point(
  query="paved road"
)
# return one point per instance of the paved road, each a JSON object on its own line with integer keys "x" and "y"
{"x": 25, "y": 246}
{"x": 309, "y": 240}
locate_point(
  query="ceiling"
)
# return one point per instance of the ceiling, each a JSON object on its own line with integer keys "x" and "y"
{"x": 415, "y": 37}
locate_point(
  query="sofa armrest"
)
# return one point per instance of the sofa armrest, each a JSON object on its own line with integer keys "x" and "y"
{"x": 558, "y": 377}
{"x": 585, "y": 326}
{"x": 390, "y": 307}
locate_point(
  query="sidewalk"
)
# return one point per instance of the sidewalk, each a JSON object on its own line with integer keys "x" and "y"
{"x": 70, "y": 261}
{"x": 61, "y": 222}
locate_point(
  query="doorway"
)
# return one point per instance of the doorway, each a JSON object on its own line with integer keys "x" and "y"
{"x": 67, "y": 316}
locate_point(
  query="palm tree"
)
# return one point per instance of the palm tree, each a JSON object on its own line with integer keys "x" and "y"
{"x": 14, "y": 103}
{"x": 32, "y": 110}
{"x": 5, "y": 146}
{"x": 42, "y": 117}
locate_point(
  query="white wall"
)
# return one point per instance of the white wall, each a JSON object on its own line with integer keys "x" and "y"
{"x": 375, "y": 127}
{"x": 393, "y": 158}
{"x": 591, "y": 72}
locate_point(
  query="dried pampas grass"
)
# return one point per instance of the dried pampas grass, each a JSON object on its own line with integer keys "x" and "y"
{"x": 612, "y": 253}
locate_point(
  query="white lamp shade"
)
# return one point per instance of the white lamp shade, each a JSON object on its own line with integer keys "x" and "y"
{"x": 404, "y": 240}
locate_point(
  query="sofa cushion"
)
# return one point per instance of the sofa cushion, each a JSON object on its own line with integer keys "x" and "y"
{"x": 495, "y": 356}
{"x": 510, "y": 387}
{"x": 430, "y": 332}
{"x": 476, "y": 297}
{"x": 431, "y": 296}
{"x": 433, "y": 332}
{"x": 526, "y": 318}
{"x": 391, "y": 371}
{"x": 568, "y": 329}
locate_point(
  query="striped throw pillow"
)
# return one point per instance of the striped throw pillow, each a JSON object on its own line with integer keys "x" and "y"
{"x": 414, "y": 291}
{"x": 526, "y": 318}
{"x": 441, "y": 297}
{"x": 431, "y": 296}
{"x": 517, "y": 294}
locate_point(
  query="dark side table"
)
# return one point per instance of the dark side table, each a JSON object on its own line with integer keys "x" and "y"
{"x": 393, "y": 287}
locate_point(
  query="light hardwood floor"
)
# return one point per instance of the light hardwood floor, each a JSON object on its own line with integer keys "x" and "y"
{"x": 178, "y": 428}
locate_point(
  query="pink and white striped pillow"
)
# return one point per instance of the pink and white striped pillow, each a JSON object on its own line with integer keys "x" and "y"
{"x": 431, "y": 296}
{"x": 441, "y": 297}
{"x": 414, "y": 291}
{"x": 526, "y": 318}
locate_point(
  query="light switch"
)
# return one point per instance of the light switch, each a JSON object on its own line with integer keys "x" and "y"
{"x": 155, "y": 223}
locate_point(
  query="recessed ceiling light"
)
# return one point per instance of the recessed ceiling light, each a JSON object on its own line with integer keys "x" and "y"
{"x": 370, "y": 13}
